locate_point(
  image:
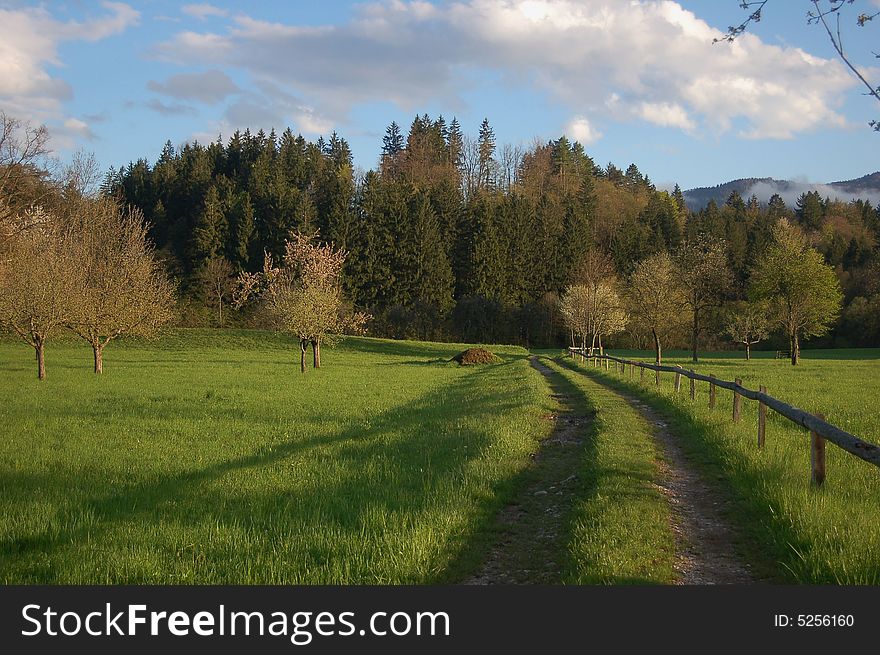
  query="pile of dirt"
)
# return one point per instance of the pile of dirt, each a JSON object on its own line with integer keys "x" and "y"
{"x": 476, "y": 356}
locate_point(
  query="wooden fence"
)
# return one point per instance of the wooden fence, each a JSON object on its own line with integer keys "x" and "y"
{"x": 820, "y": 430}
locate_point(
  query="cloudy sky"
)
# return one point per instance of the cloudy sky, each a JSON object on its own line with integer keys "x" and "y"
{"x": 637, "y": 81}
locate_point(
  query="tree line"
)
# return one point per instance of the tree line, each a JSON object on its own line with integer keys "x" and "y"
{"x": 454, "y": 237}
{"x": 667, "y": 295}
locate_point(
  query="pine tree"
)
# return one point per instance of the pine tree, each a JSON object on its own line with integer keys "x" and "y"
{"x": 241, "y": 231}
{"x": 678, "y": 197}
{"x": 562, "y": 160}
{"x": 455, "y": 143}
{"x": 426, "y": 270}
{"x": 392, "y": 146}
{"x": 810, "y": 210}
{"x": 776, "y": 207}
{"x": 211, "y": 229}
{"x": 486, "y": 141}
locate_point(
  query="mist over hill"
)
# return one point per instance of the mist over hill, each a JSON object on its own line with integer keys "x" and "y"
{"x": 866, "y": 187}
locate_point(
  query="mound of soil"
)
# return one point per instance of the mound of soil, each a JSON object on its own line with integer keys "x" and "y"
{"x": 476, "y": 356}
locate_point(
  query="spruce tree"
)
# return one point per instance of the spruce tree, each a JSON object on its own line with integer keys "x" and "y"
{"x": 486, "y": 141}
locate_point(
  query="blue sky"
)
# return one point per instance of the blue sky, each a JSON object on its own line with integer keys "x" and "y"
{"x": 634, "y": 81}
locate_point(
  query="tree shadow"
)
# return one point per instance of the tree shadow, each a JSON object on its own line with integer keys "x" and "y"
{"x": 370, "y": 473}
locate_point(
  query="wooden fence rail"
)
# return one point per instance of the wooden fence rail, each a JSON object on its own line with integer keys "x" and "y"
{"x": 820, "y": 430}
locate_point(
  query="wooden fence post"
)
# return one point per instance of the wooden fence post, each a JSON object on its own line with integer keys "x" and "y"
{"x": 737, "y": 402}
{"x": 606, "y": 364}
{"x": 711, "y": 395}
{"x": 641, "y": 374}
{"x": 762, "y": 418}
{"x": 817, "y": 457}
{"x": 677, "y": 381}
{"x": 693, "y": 388}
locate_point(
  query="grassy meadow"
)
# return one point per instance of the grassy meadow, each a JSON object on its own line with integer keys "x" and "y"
{"x": 797, "y": 533}
{"x": 208, "y": 458}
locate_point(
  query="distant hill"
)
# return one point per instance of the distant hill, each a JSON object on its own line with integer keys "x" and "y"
{"x": 866, "y": 187}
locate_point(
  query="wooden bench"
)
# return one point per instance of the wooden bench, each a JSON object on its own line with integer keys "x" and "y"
{"x": 783, "y": 354}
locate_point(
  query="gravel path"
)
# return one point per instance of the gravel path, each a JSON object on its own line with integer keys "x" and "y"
{"x": 704, "y": 539}
{"x": 530, "y": 528}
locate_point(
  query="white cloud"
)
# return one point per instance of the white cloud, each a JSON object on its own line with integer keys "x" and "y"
{"x": 75, "y": 126}
{"x": 656, "y": 58}
{"x": 29, "y": 40}
{"x": 666, "y": 114}
{"x": 581, "y": 130}
{"x": 203, "y": 11}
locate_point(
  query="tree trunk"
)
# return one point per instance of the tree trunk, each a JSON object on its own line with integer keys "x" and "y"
{"x": 41, "y": 361}
{"x": 656, "y": 346}
{"x": 302, "y": 355}
{"x": 98, "y": 351}
{"x": 601, "y": 349}
{"x": 695, "y": 335}
{"x": 221, "y": 311}
{"x": 795, "y": 349}
{"x": 316, "y": 354}
{"x": 748, "y": 351}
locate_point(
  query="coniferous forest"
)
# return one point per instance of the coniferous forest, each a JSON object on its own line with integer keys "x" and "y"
{"x": 453, "y": 237}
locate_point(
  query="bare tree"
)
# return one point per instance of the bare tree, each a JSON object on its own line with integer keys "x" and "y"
{"x": 23, "y": 152}
{"x": 303, "y": 296}
{"x": 704, "y": 275}
{"x": 593, "y": 308}
{"x": 747, "y": 323}
{"x": 575, "y": 309}
{"x": 470, "y": 166}
{"x": 657, "y": 299}
{"x": 595, "y": 267}
{"x": 36, "y": 281}
{"x": 119, "y": 286}
{"x": 81, "y": 176}
{"x": 510, "y": 163}
{"x": 219, "y": 283}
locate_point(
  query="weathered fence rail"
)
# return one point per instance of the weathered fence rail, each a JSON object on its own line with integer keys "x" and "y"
{"x": 820, "y": 430}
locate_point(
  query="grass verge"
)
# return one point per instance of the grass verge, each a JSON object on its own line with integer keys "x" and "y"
{"x": 620, "y": 523}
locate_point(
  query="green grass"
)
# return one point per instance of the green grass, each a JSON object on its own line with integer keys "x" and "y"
{"x": 797, "y": 533}
{"x": 208, "y": 458}
{"x": 620, "y": 524}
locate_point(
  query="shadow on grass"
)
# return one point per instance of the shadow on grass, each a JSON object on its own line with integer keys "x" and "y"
{"x": 523, "y": 545}
{"x": 376, "y": 474}
{"x": 766, "y": 542}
